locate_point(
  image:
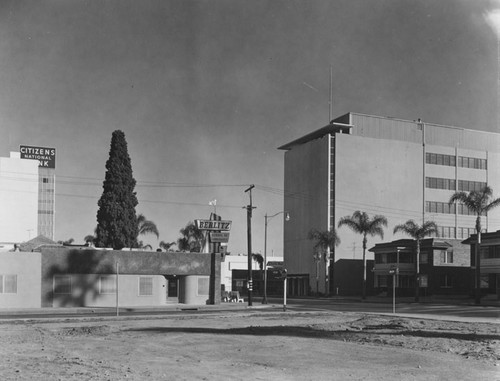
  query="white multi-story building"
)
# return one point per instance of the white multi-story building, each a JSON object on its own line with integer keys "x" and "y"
{"x": 18, "y": 199}
{"x": 384, "y": 166}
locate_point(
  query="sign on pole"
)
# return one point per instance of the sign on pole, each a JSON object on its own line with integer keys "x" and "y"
{"x": 213, "y": 225}
{"x": 219, "y": 237}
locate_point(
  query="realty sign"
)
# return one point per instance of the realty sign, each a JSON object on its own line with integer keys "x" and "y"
{"x": 46, "y": 156}
{"x": 213, "y": 225}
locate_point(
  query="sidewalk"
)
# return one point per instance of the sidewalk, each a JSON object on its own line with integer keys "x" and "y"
{"x": 89, "y": 311}
{"x": 487, "y": 301}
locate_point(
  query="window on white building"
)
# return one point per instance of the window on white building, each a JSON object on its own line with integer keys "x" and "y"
{"x": 203, "y": 285}
{"x": 8, "y": 284}
{"x": 145, "y": 286}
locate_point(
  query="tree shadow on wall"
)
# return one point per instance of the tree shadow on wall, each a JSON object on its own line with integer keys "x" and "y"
{"x": 76, "y": 280}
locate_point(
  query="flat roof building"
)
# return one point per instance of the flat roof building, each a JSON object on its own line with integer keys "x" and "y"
{"x": 18, "y": 199}
{"x": 384, "y": 166}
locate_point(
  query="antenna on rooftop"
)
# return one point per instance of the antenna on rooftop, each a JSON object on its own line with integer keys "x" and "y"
{"x": 330, "y": 101}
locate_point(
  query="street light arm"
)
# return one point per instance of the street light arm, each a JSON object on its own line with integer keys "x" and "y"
{"x": 276, "y": 214}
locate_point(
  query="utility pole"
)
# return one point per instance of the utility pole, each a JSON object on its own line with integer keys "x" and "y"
{"x": 249, "y": 240}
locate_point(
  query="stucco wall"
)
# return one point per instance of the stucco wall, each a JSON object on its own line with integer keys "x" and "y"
{"x": 26, "y": 266}
{"x": 86, "y": 290}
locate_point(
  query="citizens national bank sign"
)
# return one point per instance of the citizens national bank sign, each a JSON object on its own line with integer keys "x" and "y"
{"x": 46, "y": 156}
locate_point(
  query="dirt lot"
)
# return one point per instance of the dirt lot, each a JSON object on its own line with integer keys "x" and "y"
{"x": 250, "y": 345}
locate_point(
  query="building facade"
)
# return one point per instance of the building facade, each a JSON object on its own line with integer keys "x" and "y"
{"x": 384, "y": 166}
{"x": 444, "y": 267}
{"x": 18, "y": 199}
{"x": 86, "y": 277}
{"x": 490, "y": 261}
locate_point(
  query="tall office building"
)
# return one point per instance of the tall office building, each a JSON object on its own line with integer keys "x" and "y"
{"x": 397, "y": 168}
{"x": 46, "y": 158}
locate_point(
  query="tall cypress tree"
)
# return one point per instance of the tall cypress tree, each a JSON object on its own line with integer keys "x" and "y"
{"x": 116, "y": 217}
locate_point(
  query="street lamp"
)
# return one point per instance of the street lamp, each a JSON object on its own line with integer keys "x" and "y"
{"x": 267, "y": 218}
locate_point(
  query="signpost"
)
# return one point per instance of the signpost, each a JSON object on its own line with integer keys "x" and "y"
{"x": 283, "y": 274}
{"x": 394, "y": 271}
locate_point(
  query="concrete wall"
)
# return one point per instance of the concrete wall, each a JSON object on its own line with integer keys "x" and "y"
{"x": 18, "y": 199}
{"x": 26, "y": 267}
{"x": 378, "y": 177}
{"x": 56, "y": 261}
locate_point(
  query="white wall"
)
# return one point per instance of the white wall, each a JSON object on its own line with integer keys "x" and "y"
{"x": 27, "y": 268}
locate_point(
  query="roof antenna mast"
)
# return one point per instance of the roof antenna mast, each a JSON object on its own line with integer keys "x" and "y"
{"x": 330, "y": 101}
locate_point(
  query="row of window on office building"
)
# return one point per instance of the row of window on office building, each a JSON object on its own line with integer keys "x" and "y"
{"x": 446, "y": 208}
{"x": 451, "y": 161}
{"x": 451, "y": 184}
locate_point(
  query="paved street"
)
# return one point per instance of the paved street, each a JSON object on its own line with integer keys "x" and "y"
{"x": 462, "y": 312}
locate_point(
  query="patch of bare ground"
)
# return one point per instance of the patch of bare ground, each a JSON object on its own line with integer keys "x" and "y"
{"x": 257, "y": 346}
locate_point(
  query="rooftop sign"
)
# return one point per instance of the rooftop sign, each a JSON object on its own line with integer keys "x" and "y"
{"x": 46, "y": 156}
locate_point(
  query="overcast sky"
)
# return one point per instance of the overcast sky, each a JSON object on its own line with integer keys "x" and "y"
{"x": 206, "y": 91}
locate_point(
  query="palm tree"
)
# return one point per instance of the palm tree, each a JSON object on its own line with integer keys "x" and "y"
{"x": 361, "y": 223}
{"x": 325, "y": 243}
{"x": 259, "y": 259}
{"x": 166, "y": 245}
{"x": 145, "y": 226}
{"x": 191, "y": 240}
{"x": 480, "y": 202}
{"x": 418, "y": 233}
